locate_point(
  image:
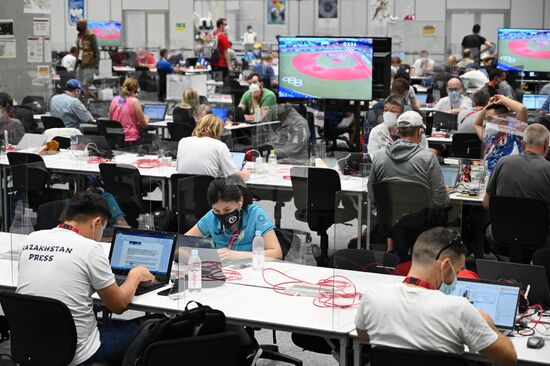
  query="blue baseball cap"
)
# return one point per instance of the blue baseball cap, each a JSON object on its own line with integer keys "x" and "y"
{"x": 472, "y": 65}
{"x": 73, "y": 84}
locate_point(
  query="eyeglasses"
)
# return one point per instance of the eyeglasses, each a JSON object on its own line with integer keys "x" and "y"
{"x": 456, "y": 239}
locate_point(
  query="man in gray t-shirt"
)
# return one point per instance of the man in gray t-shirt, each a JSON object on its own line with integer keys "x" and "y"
{"x": 69, "y": 108}
{"x": 526, "y": 175}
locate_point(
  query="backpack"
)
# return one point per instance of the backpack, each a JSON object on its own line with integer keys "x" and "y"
{"x": 199, "y": 321}
{"x": 215, "y": 52}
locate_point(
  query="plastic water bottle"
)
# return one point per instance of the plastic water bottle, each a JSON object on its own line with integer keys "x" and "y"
{"x": 194, "y": 272}
{"x": 74, "y": 144}
{"x": 272, "y": 161}
{"x": 258, "y": 252}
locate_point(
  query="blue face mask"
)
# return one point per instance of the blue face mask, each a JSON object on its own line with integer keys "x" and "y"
{"x": 448, "y": 289}
{"x": 454, "y": 95}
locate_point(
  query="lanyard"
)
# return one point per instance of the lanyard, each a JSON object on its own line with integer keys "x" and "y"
{"x": 69, "y": 227}
{"x": 418, "y": 282}
{"x": 468, "y": 115}
{"x": 234, "y": 236}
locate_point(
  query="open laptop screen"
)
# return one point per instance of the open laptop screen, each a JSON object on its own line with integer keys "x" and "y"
{"x": 499, "y": 300}
{"x": 155, "y": 112}
{"x": 220, "y": 112}
{"x": 238, "y": 159}
{"x": 534, "y": 101}
{"x": 132, "y": 248}
{"x": 450, "y": 174}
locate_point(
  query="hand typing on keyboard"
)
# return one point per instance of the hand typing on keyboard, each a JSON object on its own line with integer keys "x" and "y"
{"x": 142, "y": 274}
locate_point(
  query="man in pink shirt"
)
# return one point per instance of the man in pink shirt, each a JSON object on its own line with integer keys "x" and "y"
{"x": 145, "y": 59}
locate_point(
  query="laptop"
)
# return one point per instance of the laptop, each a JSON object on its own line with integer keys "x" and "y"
{"x": 450, "y": 174}
{"x": 534, "y": 101}
{"x": 99, "y": 109}
{"x": 422, "y": 98}
{"x": 31, "y": 141}
{"x": 499, "y": 300}
{"x": 220, "y": 112}
{"x": 131, "y": 248}
{"x": 239, "y": 159}
{"x": 527, "y": 275}
{"x": 155, "y": 111}
{"x": 350, "y": 163}
{"x": 94, "y": 141}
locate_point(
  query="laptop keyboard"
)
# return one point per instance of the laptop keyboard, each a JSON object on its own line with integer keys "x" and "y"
{"x": 143, "y": 287}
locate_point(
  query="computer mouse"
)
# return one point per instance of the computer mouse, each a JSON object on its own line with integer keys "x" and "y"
{"x": 535, "y": 342}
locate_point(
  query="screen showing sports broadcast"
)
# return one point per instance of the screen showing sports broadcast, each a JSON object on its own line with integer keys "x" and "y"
{"x": 325, "y": 68}
{"x": 109, "y": 34}
{"x": 524, "y": 49}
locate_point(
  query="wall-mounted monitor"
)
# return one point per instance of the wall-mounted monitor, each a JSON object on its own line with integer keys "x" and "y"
{"x": 108, "y": 34}
{"x": 524, "y": 49}
{"x": 325, "y": 68}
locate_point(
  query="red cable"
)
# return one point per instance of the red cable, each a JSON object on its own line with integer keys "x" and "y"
{"x": 97, "y": 160}
{"x": 334, "y": 292}
{"x": 147, "y": 163}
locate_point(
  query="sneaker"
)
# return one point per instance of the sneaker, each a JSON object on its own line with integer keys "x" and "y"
{"x": 251, "y": 354}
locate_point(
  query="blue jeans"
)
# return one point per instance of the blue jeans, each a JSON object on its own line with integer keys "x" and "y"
{"x": 115, "y": 339}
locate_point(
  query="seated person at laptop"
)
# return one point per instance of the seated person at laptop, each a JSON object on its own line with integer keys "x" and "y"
{"x": 126, "y": 109}
{"x": 190, "y": 101}
{"x": 525, "y": 175}
{"x": 68, "y": 107}
{"x": 401, "y": 87}
{"x": 291, "y": 139}
{"x": 545, "y": 108}
{"x": 70, "y": 257}
{"x": 256, "y": 97}
{"x": 467, "y": 118}
{"x": 419, "y": 313}
{"x": 15, "y": 127}
{"x": 164, "y": 64}
{"x": 455, "y": 101}
{"x": 145, "y": 58}
{"x": 203, "y": 153}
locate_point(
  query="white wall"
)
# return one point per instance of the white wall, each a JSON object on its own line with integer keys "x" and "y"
{"x": 527, "y": 13}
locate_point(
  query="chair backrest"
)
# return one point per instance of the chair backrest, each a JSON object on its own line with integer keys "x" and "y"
{"x": 318, "y": 186}
{"x": 32, "y": 98}
{"x": 352, "y": 259}
{"x": 28, "y": 171}
{"x": 178, "y": 131}
{"x": 189, "y": 195}
{"x": 48, "y": 214}
{"x": 64, "y": 142}
{"x": 113, "y": 132}
{"x": 123, "y": 181}
{"x": 52, "y": 122}
{"x": 40, "y": 329}
{"x": 466, "y": 145}
{"x": 382, "y": 356}
{"x": 183, "y": 116}
{"x": 195, "y": 350}
{"x": 542, "y": 258}
{"x": 26, "y": 116}
{"x": 518, "y": 223}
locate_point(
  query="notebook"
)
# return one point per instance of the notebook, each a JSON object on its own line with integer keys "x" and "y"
{"x": 155, "y": 111}
{"x": 155, "y": 250}
{"x": 499, "y": 300}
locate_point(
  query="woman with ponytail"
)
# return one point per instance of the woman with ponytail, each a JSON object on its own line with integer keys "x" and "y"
{"x": 126, "y": 109}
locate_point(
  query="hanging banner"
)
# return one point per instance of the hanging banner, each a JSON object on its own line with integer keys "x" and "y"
{"x": 76, "y": 11}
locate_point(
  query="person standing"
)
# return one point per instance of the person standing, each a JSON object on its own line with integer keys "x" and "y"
{"x": 223, "y": 63}
{"x": 249, "y": 38}
{"x": 474, "y": 41}
{"x": 88, "y": 53}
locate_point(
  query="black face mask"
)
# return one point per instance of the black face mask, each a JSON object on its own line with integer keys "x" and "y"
{"x": 230, "y": 219}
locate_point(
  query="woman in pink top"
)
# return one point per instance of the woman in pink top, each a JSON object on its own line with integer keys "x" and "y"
{"x": 126, "y": 109}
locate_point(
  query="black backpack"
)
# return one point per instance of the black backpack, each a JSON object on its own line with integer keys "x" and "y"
{"x": 215, "y": 54}
{"x": 199, "y": 321}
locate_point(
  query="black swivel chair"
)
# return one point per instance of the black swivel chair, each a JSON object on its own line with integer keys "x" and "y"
{"x": 26, "y": 116}
{"x": 113, "y": 132}
{"x": 40, "y": 328}
{"x": 383, "y": 356}
{"x": 542, "y": 258}
{"x": 189, "y": 197}
{"x": 52, "y": 122}
{"x": 195, "y": 351}
{"x": 49, "y": 214}
{"x": 519, "y": 226}
{"x": 466, "y": 146}
{"x": 178, "y": 131}
{"x": 315, "y": 199}
{"x": 161, "y": 92}
{"x": 123, "y": 181}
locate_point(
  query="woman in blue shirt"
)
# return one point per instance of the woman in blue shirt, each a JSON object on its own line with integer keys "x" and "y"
{"x": 234, "y": 220}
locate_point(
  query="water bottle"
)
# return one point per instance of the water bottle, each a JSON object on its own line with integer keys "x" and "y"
{"x": 74, "y": 144}
{"x": 272, "y": 161}
{"x": 258, "y": 252}
{"x": 194, "y": 272}
{"x": 257, "y": 115}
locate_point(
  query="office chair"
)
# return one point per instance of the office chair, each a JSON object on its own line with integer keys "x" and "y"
{"x": 178, "y": 131}
{"x": 113, "y": 132}
{"x": 52, "y": 122}
{"x": 26, "y": 116}
{"x": 41, "y": 329}
{"x": 48, "y": 215}
{"x": 189, "y": 197}
{"x": 542, "y": 258}
{"x": 123, "y": 181}
{"x": 195, "y": 351}
{"x": 161, "y": 92}
{"x": 519, "y": 226}
{"x": 316, "y": 202}
{"x": 466, "y": 146}
{"x": 382, "y": 356}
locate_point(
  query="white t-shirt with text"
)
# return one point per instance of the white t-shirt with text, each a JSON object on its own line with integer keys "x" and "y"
{"x": 66, "y": 266}
{"x": 205, "y": 156}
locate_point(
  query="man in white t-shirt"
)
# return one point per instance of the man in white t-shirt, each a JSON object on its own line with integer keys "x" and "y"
{"x": 455, "y": 101}
{"x": 68, "y": 264}
{"x": 69, "y": 60}
{"x": 419, "y": 314}
{"x": 475, "y": 78}
{"x": 423, "y": 66}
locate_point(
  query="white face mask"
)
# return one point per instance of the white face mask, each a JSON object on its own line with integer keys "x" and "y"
{"x": 390, "y": 119}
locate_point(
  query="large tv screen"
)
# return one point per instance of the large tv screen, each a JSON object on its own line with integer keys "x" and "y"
{"x": 109, "y": 34}
{"x": 524, "y": 49}
{"x": 325, "y": 68}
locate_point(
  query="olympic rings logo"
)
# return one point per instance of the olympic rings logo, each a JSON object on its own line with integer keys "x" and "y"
{"x": 293, "y": 80}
